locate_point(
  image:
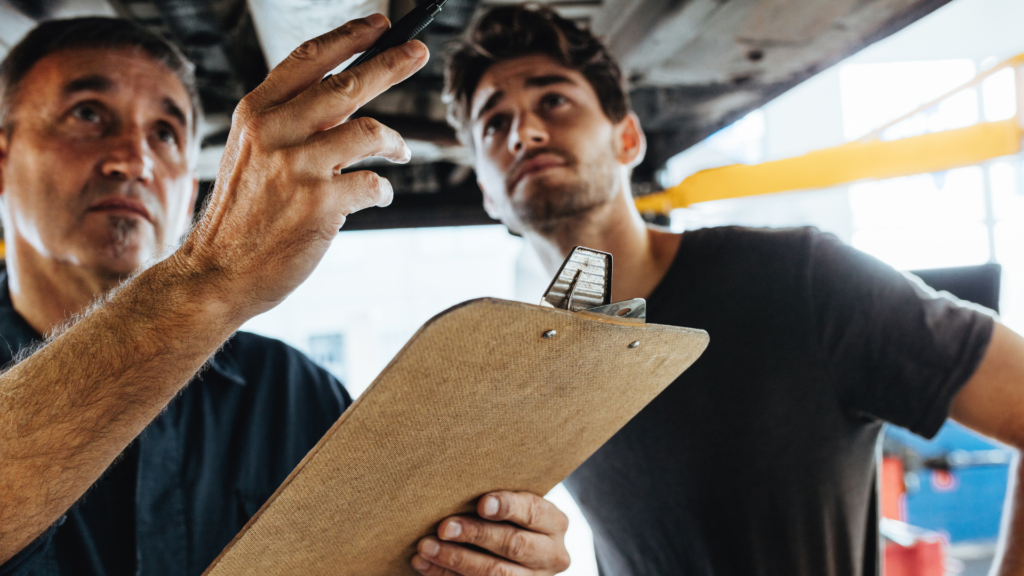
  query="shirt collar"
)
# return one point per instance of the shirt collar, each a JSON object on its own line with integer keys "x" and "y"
{"x": 16, "y": 334}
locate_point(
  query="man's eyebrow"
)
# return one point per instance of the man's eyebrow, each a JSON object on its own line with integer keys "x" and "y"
{"x": 548, "y": 80}
{"x": 90, "y": 83}
{"x": 490, "y": 103}
{"x": 174, "y": 110}
{"x": 532, "y": 82}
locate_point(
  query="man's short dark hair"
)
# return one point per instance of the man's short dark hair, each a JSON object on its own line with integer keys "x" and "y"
{"x": 508, "y": 32}
{"x": 90, "y": 33}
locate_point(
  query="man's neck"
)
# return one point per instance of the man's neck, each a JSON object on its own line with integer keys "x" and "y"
{"x": 642, "y": 255}
{"x": 46, "y": 292}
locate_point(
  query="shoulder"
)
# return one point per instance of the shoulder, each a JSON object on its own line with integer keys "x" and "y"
{"x": 253, "y": 347}
{"x": 740, "y": 252}
{"x": 782, "y": 241}
{"x": 268, "y": 363}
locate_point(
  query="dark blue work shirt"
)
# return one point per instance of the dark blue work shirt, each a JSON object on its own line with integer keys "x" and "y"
{"x": 198, "y": 472}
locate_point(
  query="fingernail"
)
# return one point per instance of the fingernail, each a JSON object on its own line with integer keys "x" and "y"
{"x": 490, "y": 506}
{"x": 420, "y": 564}
{"x": 377, "y": 21}
{"x": 414, "y": 49}
{"x": 452, "y": 530}
{"x": 406, "y": 154}
{"x": 430, "y": 547}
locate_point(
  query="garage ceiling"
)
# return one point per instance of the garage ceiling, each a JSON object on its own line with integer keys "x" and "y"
{"x": 694, "y": 67}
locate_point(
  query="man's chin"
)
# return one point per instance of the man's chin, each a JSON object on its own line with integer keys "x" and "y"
{"x": 118, "y": 265}
{"x": 541, "y": 208}
{"x": 117, "y": 259}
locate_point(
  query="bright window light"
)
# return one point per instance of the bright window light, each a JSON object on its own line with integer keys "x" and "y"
{"x": 953, "y": 197}
{"x": 375, "y": 289}
{"x": 926, "y": 247}
{"x": 874, "y": 94}
{"x": 743, "y": 140}
{"x": 999, "y": 95}
{"x": 1007, "y": 200}
{"x": 929, "y": 220}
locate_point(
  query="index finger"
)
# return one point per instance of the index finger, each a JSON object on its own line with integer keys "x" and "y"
{"x": 314, "y": 58}
{"x": 525, "y": 509}
{"x": 332, "y": 101}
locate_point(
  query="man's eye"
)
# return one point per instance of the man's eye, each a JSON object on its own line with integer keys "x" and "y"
{"x": 167, "y": 135}
{"x": 553, "y": 101}
{"x": 87, "y": 113}
{"x": 495, "y": 124}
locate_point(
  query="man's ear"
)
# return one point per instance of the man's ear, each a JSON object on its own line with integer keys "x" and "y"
{"x": 631, "y": 143}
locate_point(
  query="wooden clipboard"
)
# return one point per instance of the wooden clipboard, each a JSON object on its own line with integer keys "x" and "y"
{"x": 484, "y": 397}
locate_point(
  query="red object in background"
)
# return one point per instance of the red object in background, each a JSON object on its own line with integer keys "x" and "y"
{"x": 944, "y": 481}
{"x": 925, "y": 558}
{"x": 892, "y": 489}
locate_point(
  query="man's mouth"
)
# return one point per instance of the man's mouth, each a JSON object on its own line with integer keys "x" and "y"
{"x": 120, "y": 204}
{"x": 538, "y": 164}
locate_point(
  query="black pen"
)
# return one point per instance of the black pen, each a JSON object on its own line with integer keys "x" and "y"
{"x": 406, "y": 29}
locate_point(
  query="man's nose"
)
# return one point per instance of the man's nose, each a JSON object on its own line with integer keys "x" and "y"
{"x": 529, "y": 132}
{"x": 129, "y": 157}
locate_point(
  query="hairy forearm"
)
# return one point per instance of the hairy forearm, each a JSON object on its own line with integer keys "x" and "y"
{"x": 70, "y": 408}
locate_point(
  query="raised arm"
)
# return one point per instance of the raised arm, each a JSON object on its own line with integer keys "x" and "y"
{"x": 992, "y": 402}
{"x": 69, "y": 409}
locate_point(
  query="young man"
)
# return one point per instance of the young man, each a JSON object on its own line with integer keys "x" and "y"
{"x": 97, "y": 151}
{"x": 760, "y": 458}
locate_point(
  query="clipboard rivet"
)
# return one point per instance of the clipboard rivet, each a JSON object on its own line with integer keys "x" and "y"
{"x": 550, "y": 334}
{"x": 634, "y": 344}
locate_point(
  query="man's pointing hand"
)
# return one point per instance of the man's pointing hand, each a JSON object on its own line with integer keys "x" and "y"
{"x": 280, "y": 197}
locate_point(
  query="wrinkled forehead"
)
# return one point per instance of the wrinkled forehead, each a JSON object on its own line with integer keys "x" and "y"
{"x": 516, "y": 75}
{"x": 126, "y": 73}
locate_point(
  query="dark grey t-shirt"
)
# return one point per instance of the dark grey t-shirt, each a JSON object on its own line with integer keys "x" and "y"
{"x": 760, "y": 458}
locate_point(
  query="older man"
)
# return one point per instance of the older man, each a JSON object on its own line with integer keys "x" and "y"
{"x": 97, "y": 152}
{"x": 760, "y": 458}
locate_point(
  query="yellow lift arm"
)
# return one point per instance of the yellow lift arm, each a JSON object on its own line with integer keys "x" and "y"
{"x": 869, "y": 158}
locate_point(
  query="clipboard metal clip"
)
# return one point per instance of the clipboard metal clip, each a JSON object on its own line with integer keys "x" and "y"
{"x": 584, "y": 284}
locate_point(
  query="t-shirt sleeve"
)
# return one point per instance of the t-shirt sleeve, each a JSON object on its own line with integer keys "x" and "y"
{"x": 897, "y": 350}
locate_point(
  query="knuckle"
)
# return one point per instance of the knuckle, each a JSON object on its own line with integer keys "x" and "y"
{"x": 454, "y": 557}
{"x": 517, "y": 545}
{"x": 372, "y": 183}
{"x": 369, "y": 128}
{"x": 472, "y": 532}
{"x": 299, "y": 159}
{"x": 252, "y": 131}
{"x": 390, "y": 59}
{"x": 496, "y": 568}
{"x": 344, "y": 86}
{"x": 363, "y": 180}
{"x": 243, "y": 109}
{"x": 309, "y": 50}
{"x": 534, "y": 512}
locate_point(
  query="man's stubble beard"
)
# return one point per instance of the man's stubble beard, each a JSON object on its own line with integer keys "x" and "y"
{"x": 123, "y": 231}
{"x": 559, "y": 207}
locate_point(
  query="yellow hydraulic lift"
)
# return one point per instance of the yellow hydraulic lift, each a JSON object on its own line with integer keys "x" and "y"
{"x": 869, "y": 158}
